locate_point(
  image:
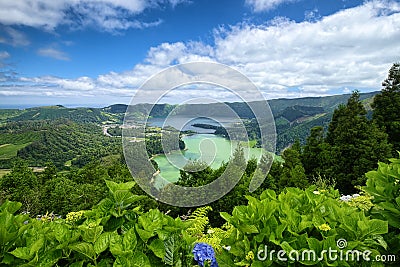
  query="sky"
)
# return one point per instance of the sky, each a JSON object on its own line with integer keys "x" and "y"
{"x": 99, "y": 52}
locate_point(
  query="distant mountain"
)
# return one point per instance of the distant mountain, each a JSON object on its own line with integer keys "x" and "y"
{"x": 293, "y": 117}
{"x": 304, "y": 106}
{"x": 117, "y": 108}
{"x": 81, "y": 115}
{"x": 296, "y": 112}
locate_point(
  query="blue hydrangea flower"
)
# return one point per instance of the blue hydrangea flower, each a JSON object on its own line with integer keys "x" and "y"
{"x": 203, "y": 252}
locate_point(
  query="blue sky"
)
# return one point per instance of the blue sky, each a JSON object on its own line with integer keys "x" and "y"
{"x": 96, "y": 53}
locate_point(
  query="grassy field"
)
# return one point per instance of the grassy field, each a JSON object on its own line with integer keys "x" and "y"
{"x": 8, "y": 151}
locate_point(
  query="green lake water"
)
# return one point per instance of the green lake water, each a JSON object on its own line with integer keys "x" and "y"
{"x": 209, "y": 148}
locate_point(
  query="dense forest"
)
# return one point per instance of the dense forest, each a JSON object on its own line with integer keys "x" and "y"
{"x": 84, "y": 209}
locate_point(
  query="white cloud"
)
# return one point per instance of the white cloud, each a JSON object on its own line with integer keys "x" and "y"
{"x": 266, "y": 5}
{"x": 13, "y": 37}
{"x": 53, "y": 53}
{"x": 109, "y": 15}
{"x": 353, "y": 48}
{"x": 312, "y": 15}
{"x": 4, "y": 55}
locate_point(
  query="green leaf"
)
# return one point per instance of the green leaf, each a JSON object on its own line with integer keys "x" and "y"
{"x": 143, "y": 234}
{"x": 50, "y": 258}
{"x": 102, "y": 242}
{"x": 22, "y": 253}
{"x": 226, "y": 216}
{"x": 129, "y": 240}
{"x": 61, "y": 232}
{"x": 90, "y": 234}
{"x": 373, "y": 227}
{"x": 10, "y": 206}
{"x": 314, "y": 244}
{"x": 116, "y": 247}
{"x": 113, "y": 186}
{"x": 38, "y": 244}
{"x": 139, "y": 259}
{"x": 171, "y": 250}
{"x": 248, "y": 229}
{"x": 105, "y": 205}
{"x": 85, "y": 249}
{"x": 157, "y": 246}
{"x": 268, "y": 194}
{"x": 77, "y": 264}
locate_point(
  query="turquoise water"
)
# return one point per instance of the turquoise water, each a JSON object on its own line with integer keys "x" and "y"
{"x": 209, "y": 148}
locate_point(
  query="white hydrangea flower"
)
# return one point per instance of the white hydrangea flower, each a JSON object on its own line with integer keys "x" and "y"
{"x": 346, "y": 198}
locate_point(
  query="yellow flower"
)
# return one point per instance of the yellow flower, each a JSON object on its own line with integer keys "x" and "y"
{"x": 74, "y": 216}
{"x": 250, "y": 256}
{"x": 324, "y": 227}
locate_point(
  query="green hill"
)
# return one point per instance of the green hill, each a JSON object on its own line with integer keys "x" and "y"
{"x": 80, "y": 115}
{"x": 59, "y": 141}
{"x": 30, "y": 133}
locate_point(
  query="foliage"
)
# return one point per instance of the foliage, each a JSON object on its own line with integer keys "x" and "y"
{"x": 293, "y": 173}
{"x": 298, "y": 220}
{"x": 384, "y": 187}
{"x": 315, "y": 151}
{"x": 386, "y": 106}
{"x": 58, "y": 141}
{"x": 79, "y": 115}
{"x": 114, "y": 233}
{"x": 354, "y": 145}
{"x": 51, "y": 191}
{"x": 21, "y": 185}
{"x": 202, "y": 230}
{"x": 197, "y": 173}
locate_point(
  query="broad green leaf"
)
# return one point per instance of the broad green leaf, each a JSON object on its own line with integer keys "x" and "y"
{"x": 139, "y": 259}
{"x": 268, "y": 194}
{"x": 50, "y": 258}
{"x": 226, "y": 216}
{"x": 157, "y": 246}
{"x": 22, "y": 253}
{"x": 90, "y": 234}
{"x": 85, "y": 249}
{"x": 143, "y": 234}
{"x": 113, "y": 186}
{"x": 61, "y": 232}
{"x": 248, "y": 229}
{"x": 10, "y": 206}
{"x": 129, "y": 240}
{"x": 38, "y": 244}
{"x": 102, "y": 242}
{"x": 373, "y": 227}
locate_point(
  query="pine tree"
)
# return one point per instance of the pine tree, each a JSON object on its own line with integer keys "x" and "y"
{"x": 356, "y": 145}
{"x": 386, "y": 107}
{"x": 293, "y": 173}
{"x": 313, "y": 152}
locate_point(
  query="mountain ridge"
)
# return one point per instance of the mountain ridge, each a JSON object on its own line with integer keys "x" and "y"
{"x": 294, "y": 118}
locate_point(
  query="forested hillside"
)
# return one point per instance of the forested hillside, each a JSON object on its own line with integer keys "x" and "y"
{"x": 81, "y": 115}
{"x": 60, "y": 141}
{"x": 294, "y": 118}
